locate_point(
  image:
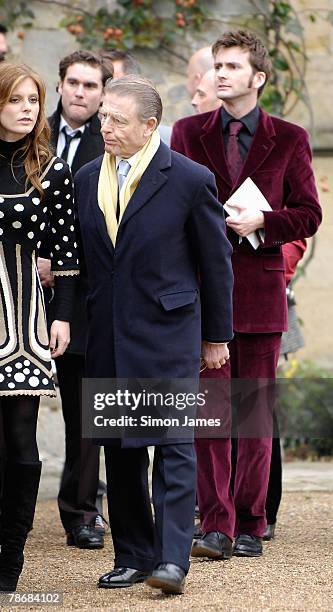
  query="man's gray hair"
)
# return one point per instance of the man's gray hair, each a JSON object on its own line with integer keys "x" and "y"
{"x": 148, "y": 100}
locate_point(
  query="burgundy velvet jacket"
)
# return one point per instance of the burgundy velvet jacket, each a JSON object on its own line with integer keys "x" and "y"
{"x": 279, "y": 162}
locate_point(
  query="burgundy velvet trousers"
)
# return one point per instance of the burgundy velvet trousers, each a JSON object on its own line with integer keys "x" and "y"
{"x": 253, "y": 357}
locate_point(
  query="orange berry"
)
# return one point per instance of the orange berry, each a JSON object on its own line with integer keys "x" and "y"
{"x": 75, "y": 29}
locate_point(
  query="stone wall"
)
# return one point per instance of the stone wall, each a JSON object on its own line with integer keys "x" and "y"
{"x": 46, "y": 43}
{"x": 314, "y": 291}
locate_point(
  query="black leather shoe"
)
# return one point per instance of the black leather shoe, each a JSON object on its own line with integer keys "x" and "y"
{"x": 121, "y": 577}
{"x": 269, "y": 533}
{"x": 197, "y": 533}
{"x": 214, "y": 544}
{"x": 85, "y": 536}
{"x": 248, "y": 546}
{"x": 168, "y": 577}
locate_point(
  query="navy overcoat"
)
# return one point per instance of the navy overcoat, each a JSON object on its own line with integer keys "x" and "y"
{"x": 167, "y": 284}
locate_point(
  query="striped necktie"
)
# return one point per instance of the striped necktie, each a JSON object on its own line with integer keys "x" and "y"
{"x": 122, "y": 172}
{"x": 234, "y": 159}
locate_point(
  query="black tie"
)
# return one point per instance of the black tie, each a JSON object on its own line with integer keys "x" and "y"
{"x": 68, "y": 139}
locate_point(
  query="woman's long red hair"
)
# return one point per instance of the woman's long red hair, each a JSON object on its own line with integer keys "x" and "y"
{"x": 36, "y": 150}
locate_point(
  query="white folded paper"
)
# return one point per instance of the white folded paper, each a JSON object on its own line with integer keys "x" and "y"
{"x": 249, "y": 196}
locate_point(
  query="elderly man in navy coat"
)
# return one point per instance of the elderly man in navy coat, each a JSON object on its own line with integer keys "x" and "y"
{"x": 151, "y": 227}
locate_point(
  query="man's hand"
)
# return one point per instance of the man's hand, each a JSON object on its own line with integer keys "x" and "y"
{"x": 247, "y": 221}
{"x": 214, "y": 355}
{"x": 59, "y": 338}
{"x": 44, "y": 271}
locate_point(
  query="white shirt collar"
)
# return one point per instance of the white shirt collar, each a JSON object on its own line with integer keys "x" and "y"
{"x": 70, "y": 131}
{"x": 130, "y": 160}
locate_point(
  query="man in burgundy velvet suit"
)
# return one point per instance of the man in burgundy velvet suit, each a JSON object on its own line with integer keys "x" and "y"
{"x": 235, "y": 142}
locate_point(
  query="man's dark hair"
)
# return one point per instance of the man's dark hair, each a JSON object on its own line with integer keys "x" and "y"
{"x": 85, "y": 57}
{"x": 130, "y": 64}
{"x": 259, "y": 56}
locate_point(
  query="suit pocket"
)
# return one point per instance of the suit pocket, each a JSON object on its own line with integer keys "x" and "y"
{"x": 170, "y": 301}
{"x": 273, "y": 262}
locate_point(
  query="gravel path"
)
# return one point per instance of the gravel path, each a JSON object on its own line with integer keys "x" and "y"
{"x": 295, "y": 573}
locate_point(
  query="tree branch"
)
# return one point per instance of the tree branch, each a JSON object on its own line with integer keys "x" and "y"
{"x": 72, "y": 8}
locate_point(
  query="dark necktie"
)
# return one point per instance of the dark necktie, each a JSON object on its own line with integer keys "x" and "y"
{"x": 68, "y": 139}
{"x": 234, "y": 159}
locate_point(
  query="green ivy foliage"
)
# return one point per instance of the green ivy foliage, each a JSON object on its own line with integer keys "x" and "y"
{"x": 136, "y": 24}
{"x": 305, "y": 407}
{"x": 140, "y": 24}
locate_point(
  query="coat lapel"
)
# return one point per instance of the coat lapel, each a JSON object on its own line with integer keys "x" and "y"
{"x": 54, "y": 122}
{"x": 212, "y": 142}
{"x": 262, "y": 145}
{"x": 97, "y": 213}
{"x": 91, "y": 144}
{"x": 151, "y": 181}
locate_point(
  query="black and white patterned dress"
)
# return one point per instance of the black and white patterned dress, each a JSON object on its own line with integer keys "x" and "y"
{"x": 25, "y": 220}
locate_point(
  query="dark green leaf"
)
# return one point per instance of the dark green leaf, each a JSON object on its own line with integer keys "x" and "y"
{"x": 280, "y": 63}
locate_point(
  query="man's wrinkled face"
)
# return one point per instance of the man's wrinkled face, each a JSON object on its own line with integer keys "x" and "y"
{"x": 81, "y": 93}
{"x": 235, "y": 77}
{"x": 205, "y": 98}
{"x": 124, "y": 133}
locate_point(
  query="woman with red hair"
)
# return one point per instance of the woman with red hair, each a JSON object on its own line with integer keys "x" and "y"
{"x": 36, "y": 198}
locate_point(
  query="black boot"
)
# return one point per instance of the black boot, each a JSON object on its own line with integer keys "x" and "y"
{"x": 21, "y": 481}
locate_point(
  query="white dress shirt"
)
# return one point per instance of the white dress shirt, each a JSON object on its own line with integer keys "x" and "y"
{"x": 62, "y": 140}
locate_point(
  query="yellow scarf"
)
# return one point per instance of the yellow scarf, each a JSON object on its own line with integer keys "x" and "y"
{"x": 108, "y": 183}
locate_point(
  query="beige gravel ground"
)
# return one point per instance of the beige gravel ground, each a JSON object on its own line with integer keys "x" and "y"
{"x": 295, "y": 573}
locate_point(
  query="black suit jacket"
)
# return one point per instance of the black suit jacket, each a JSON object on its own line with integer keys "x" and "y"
{"x": 91, "y": 146}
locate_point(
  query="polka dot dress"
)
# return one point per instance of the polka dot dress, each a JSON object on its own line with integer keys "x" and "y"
{"x": 25, "y": 221}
